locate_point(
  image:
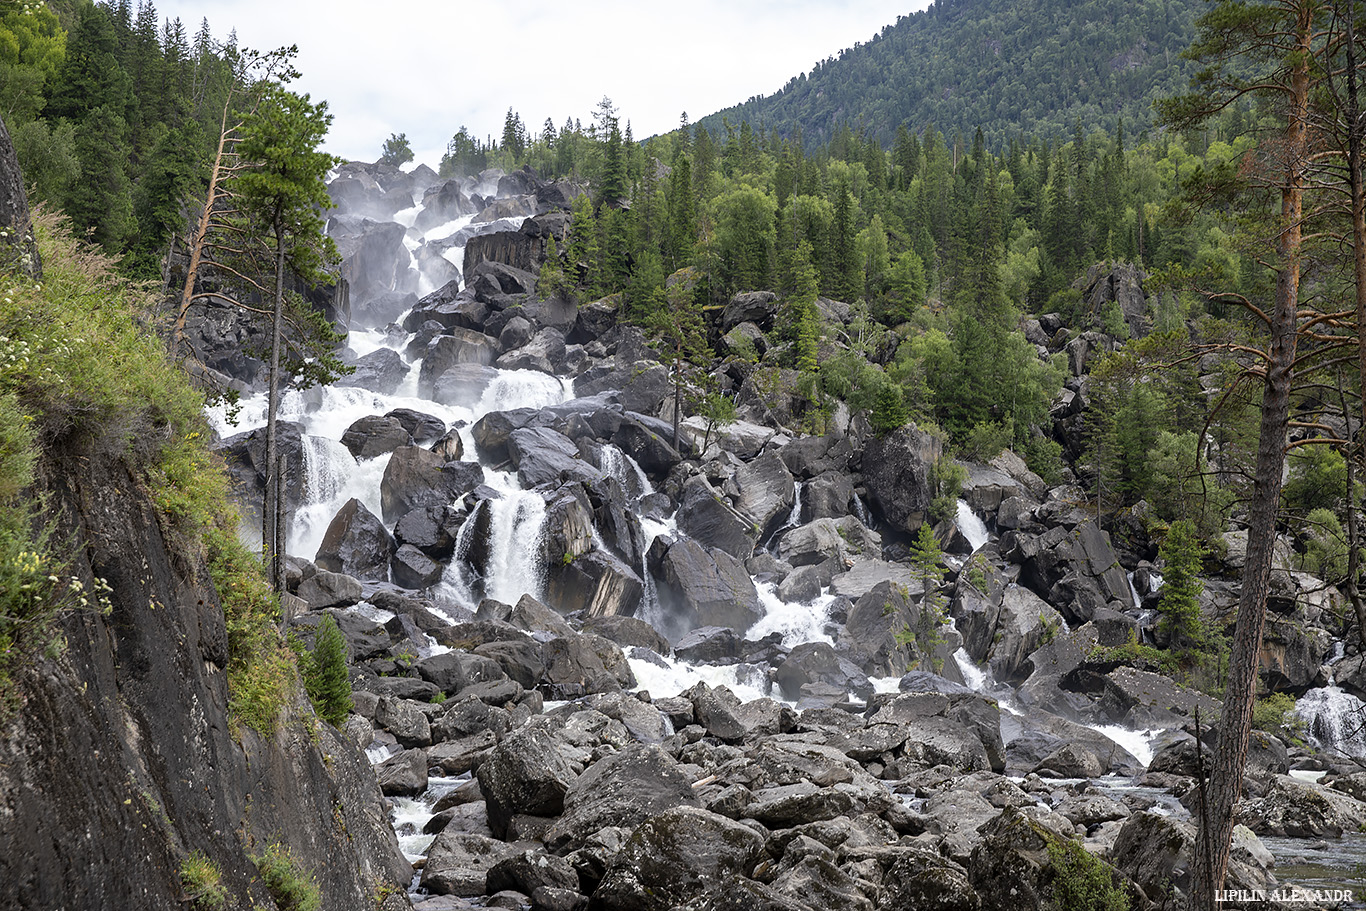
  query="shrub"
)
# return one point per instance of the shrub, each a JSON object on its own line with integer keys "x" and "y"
{"x": 292, "y": 889}
{"x": 203, "y": 882}
{"x": 1082, "y": 882}
{"x": 1269, "y": 713}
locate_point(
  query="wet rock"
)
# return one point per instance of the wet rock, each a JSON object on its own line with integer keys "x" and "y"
{"x": 1023, "y": 624}
{"x": 403, "y": 774}
{"x": 405, "y": 720}
{"x": 766, "y": 492}
{"x": 328, "y": 589}
{"x": 431, "y": 529}
{"x": 706, "y": 515}
{"x": 584, "y": 663}
{"x": 375, "y": 435}
{"x": 818, "y": 664}
{"x": 416, "y": 477}
{"x": 701, "y": 588}
{"x": 1297, "y": 809}
{"x": 844, "y": 540}
{"x": 710, "y": 645}
{"x": 458, "y": 864}
{"x": 411, "y": 568}
{"x": 920, "y": 878}
{"x": 671, "y": 858}
{"x": 424, "y": 428}
{"x": 457, "y": 347}
{"x": 1156, "y": 851}
{"x": 382, "y": 371}
{"x": 628, "y": 631}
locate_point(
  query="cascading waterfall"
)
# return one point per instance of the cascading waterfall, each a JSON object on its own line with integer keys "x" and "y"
{"x": 1335, "y": 719}
{"x": 971, "y": 525}
{"x": 515, "y": 567}
{"x": 332, "y": 476}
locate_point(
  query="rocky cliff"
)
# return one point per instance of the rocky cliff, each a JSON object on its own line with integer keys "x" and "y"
{"x": 118, "y": 758}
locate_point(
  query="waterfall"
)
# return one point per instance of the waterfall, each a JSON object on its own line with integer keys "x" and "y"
{"x": 327, "y": 467}
{"x": 797, "y": 623}
{"x": 1335, "y": 719}
{"x": 522, "y": 389}
{"x": 971, "y": 525}
{"x": 515, "y": 567}
{"x": 626, "y": 471}
{"x": 331, "y": 476}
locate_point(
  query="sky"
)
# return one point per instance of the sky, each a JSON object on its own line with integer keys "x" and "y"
{"x": 425, "y": 68}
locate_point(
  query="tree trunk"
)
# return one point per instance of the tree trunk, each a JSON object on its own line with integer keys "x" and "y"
{"x": 201, "y": 235}
{"x": 274, "y": 501}
{"x": 1235, "y": 723}
{"x": 1358, "y": 193}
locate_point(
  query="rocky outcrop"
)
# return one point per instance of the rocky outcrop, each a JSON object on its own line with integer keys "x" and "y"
{"x": 125, "y": 743}
{"x": 17, "y": 247}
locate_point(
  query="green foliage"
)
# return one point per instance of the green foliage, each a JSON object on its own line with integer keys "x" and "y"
{"x": 203, "y": 882}
{"x": 1083, "y": 882}
{"x": 1179, "y": 606}
{"x": 1318, "y": 479}
{"x": 889, "y": 410}
{"x": 261, "y": 669}
{"x": 1071, "y": 72}
{"x": 1274, "y": 714}
{"x": 464, "y": 156}
{"x": 1325, "y": 546}
{"x": 946, "y": 480}
{"x": 288, "y": 884}
{"x": 325, "y": 677}
{"x": 397, "y": 150}
{"x": 986, "y": 441}
{"x": 924, "y": 630}
{"x": 1135, "y": 654}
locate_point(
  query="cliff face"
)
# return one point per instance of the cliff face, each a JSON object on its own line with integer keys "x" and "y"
{"x": 119, "y": 760}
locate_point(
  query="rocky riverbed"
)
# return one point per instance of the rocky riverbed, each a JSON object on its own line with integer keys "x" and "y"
{"x": 601, "y": 665}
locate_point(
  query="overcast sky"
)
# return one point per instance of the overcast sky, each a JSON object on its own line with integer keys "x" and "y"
{"x": 427, "y": 67}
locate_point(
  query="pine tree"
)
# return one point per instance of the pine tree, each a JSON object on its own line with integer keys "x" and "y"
{"x": 1179, "y": 606}
{"x": 326, "y": 680}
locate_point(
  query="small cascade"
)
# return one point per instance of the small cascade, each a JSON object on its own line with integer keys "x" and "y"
{"x": 626, "y": 471}
{"x": 515, "y": 566}
{"x": 1335, "y": 719}
{"x": 794, "y": 518}
{"x": 522, "y": 389}
{"x": 974, "y": 676}
{"x": 971, "y": 526}
{"x": 861, "y": 512}
{"x": 331, "y": 477}
{"x": 796, "y": 623}
{"x": 327, "y": 467}
{"x": 1138, "y": 743}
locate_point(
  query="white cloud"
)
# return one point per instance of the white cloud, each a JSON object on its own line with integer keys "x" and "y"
{"x": 427, "y": 67}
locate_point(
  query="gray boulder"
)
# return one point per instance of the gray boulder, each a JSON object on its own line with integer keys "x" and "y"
{"x": 624, "y": 789}
{"x": 673, "y": 857}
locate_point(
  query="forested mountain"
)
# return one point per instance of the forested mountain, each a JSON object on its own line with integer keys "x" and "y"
{"x": 1037, "y": 67}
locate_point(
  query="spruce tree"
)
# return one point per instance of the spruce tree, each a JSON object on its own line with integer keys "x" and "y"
{"x": 326, "y": 680}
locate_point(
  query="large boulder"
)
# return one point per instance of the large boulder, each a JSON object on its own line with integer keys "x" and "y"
{"x": 525, "y": 774}
{"x": 356, "y": 543}
{"x": 417, "y": 477}
{"x": 766, "y": 493}
{"x": 706, "y": 515}
{"x": 896, "y": 472}
{"x": 816, "y": 669}
{"x": 456, "y": 347}
{"x": 624, "y": 789}
{"x": 703, "y": 588}
{"x": 674, "y": 857}
{"x": 374, "y": 435}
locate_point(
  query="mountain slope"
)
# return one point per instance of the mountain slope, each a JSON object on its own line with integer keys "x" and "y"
{"x": 1031, "y": 66}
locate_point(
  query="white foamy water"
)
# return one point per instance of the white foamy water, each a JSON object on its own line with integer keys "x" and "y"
{"x": 971, "y": 525}
{"x": 1138, "y": 743}
{"x": 795, "y": 622}
{"x": 1335, "y": 719}
{"x": 678, "y": 676}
